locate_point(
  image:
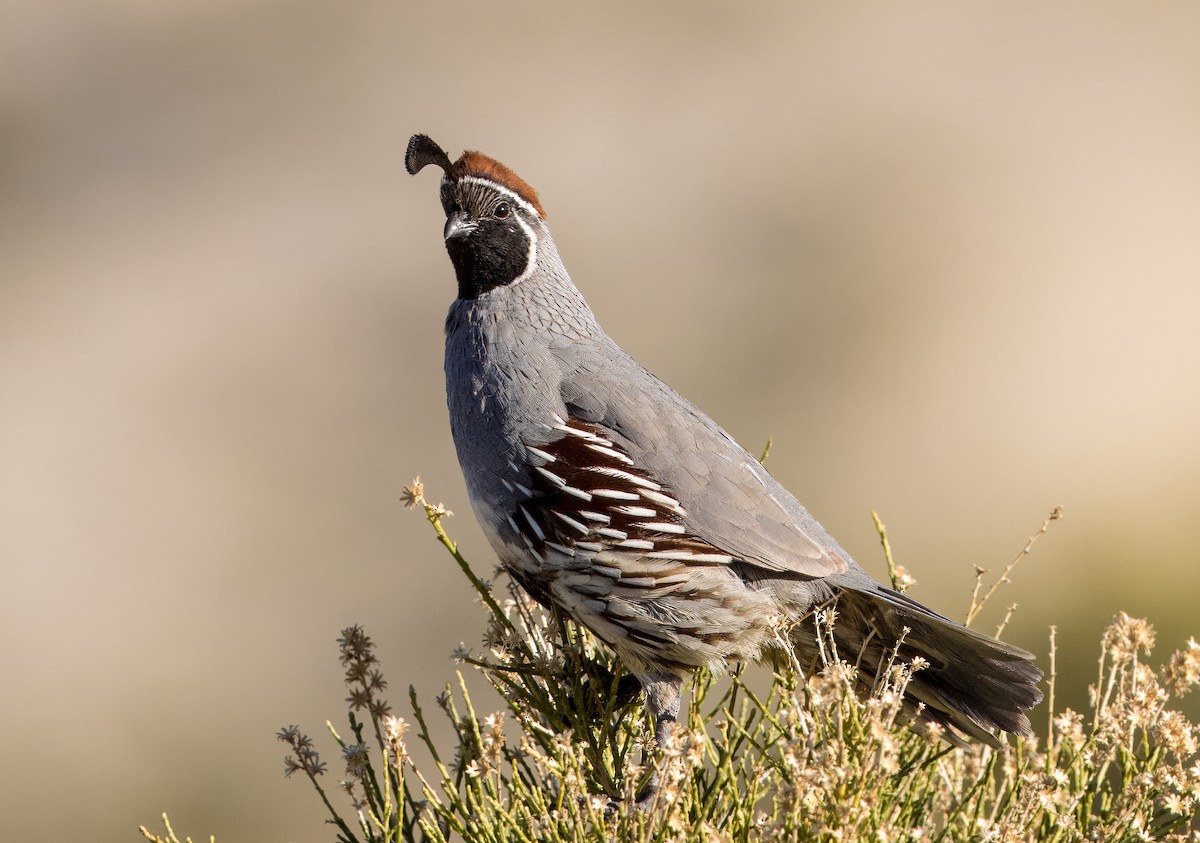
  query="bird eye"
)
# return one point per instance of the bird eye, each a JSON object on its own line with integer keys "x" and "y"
{"x": 502, "y": 210}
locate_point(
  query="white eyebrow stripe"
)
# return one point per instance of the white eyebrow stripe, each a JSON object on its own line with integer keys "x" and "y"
{"x": 499, "y": 188}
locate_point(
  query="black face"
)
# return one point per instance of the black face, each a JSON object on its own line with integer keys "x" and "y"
{"x": 487, "y": 238}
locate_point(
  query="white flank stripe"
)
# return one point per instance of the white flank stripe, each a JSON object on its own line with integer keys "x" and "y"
{"x": 513, "y": 524}
{"x": 561, "y": 548}
{"x": 632, "y": 478}
{"x": 571, "y": 522}
{"x": 594, "y": 547}
{"x": 550, "y": 475}
{"x": 614, "y": 494}
{"x": 579, "y": 493}
{"x": 638, "y": 582}
{"x": 663, "y": 527}
{"x": 596, "y": 516}
{"x": 609, "y": 532}
{"x": 524, "y": 490}
{"x": 674, "y": 579}
{"x": 605, "y": 570}
{"x": 610, "y": 452}
{"x": 541, "y": 536}
{"x": 636, "y": 544}
{"x": 538, "y": 452}
{"x": 688, "y": 556}
{"x": 718, "y": 558}
{"x": 637, "y": 511}
{"x": 573, "y": 431}
{"x": 664, "y": 500}
{"x": 585, "y": 435}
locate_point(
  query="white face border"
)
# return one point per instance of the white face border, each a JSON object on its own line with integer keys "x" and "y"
{"x": 516, "y": 199}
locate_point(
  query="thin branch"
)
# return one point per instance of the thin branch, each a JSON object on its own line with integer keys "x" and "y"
{"x": 978, "y": 604}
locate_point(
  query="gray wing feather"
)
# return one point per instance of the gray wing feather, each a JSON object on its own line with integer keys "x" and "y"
{"x": 732, "y": 502}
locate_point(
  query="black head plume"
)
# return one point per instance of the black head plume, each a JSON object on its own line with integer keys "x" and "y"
{"x": 423, "y": 151}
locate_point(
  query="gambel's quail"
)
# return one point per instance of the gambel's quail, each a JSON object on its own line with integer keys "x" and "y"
{"x": 607, "y": 494}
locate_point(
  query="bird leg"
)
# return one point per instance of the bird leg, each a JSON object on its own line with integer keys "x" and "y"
{"x": 663, "y": 693}
{"x": 627, "y": 689}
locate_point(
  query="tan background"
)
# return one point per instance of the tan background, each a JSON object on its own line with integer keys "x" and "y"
{"x": 947, "y": 255}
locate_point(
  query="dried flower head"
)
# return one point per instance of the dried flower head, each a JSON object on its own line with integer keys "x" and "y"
{"x": 306, "y": 759}
{"x": 903, "y": 579}
{"x": 414, "y": 494}
{"x": 1127, "y": 636}
{"x": 356, "y": 757}
{"x": 1182, "y": 671}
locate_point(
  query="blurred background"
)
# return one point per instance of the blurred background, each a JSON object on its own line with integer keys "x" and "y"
{"x": 948, "y": 256}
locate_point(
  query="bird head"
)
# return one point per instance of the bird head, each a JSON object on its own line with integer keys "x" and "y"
{"x": 493, "y": 217}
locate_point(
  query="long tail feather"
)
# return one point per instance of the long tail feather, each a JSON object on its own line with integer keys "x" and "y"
{"x": 972, "y": 685}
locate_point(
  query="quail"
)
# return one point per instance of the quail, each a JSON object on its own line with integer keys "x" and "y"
{"x": 605, "y": 493}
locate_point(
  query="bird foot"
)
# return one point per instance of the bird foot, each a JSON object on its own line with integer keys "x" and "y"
{"x": 648, "y": 795}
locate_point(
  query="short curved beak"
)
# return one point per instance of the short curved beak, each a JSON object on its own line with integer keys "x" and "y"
{"x": 458, "y": 224}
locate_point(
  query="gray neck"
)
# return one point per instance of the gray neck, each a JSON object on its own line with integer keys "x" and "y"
{"x": 545, "y": 301}
{"x": 510, "y": 354}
